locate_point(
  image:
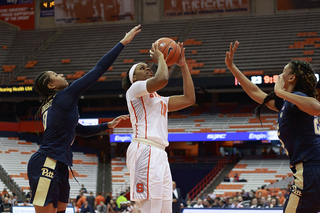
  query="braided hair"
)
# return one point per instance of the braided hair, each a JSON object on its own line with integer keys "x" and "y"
{"x": 126, "y": 84}
{"x": 306, "y": 83}
{"x": 40, "y": 85}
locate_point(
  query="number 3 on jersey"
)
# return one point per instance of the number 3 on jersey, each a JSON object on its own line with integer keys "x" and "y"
{"x": 163, "y": 108}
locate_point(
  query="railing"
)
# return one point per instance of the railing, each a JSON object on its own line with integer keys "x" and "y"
{"x": 207, "y": 179}
{"x": 10, "y": 183}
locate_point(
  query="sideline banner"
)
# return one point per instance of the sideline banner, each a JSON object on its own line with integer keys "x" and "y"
{"x": 178, "y": 8}
{"x": 18, "y": 12}
{"x": 297, "y": 4}
{"x": 189, "y": 137}
{"x": 76, "y": 11}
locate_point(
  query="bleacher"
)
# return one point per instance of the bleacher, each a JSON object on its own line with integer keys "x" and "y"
{"x": 267, "y": 43}
{"x": 21, "y": 45}
{"x": 120, "y": 176}
{"x": 257, "y": 173}
{"x": 15, "y": 154}
{"x": 80, "y": 48}
{"x": 7, "y": 36}
{"x": 204, "y": 122}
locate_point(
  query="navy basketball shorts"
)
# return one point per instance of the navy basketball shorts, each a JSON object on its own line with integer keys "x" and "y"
{"x": 305, "y": 190}
{"x": 48, "y": 180}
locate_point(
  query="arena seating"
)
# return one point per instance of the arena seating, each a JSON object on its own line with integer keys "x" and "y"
{"x": 204, "y": 122}
{"x": 257, "y": 173}
{"x": 24, "y": 44}
{"x": 267, "y": 43}
{"x": 120, "y": 176}
{"x": 206, "y": 41}
{"x": 80, "y": 48}
{"x": 2, "y": 186}
{"x": 7, "y": 36}
{"x": 15, "y": 154}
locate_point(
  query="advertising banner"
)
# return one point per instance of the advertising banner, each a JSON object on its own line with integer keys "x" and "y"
{"x": 178, "y": 8}
{"x": 18, "y": 12}
{"x": 223, "y": 136}
{"x": 47, "y": 13}
{"x": 76, "y": 11}
{"x": 297, "y": 4}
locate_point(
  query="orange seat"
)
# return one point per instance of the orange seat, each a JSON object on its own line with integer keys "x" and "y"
{"x": 102, "y": 78}
{"x": 144, "y": 51}
{"x": 65, "y": 61}
{"x": 80, "y": 72}
{"x": 195, "y": 72}
{"x": 69, "y": 76}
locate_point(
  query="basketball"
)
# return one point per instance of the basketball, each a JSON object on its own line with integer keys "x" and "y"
{"x": 170, "y": 49}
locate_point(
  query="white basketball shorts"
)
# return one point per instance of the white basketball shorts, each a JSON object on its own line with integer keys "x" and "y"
{"x": 150, "y": 175}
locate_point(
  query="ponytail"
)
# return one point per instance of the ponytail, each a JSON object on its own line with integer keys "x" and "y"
{"x": 126, "y": 84}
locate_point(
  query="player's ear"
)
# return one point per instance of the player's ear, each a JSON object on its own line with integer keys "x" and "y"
{"x": 134, "y": 78}
{"x": 293, "y": 78}
{"x": 51, "y": 86}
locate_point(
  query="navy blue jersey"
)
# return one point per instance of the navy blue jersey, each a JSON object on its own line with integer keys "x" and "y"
{"x": 298, "y": 132}
{"x": 60, "y": 115}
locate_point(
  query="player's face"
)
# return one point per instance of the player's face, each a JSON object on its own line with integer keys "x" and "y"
{"x": 142, "y": 72}
{"x": 287, "y": 75}
{"x": 57, "y": 81}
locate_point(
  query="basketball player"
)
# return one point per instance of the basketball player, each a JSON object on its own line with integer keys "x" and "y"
{"x": 295, "y": 98}
{"x": 48, "y": 168}
{"x": 147, "y": 161}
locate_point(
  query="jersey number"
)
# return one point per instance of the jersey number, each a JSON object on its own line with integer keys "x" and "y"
{"x": 163, "y": 108}
{"x": 44, "y": 120}
{"x": 316, "y": 125}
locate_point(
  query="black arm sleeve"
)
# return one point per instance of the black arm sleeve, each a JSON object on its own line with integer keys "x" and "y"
{"x": 83, "y": 83}
{"x": 87, "y": 131}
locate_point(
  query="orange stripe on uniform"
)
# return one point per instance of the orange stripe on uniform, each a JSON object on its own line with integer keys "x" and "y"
{"x": 145, "y": 117}
{"x": 148, "y": 173}
{"x": 134, "y": 110}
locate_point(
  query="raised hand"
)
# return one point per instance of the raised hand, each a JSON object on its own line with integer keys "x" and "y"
{"x": 229, "y": 54}
{"x": 279, "y": 85}
{"x": 155, "y": 53}
{"x": 116, "y": 121}
{"x": 130, "y": 35}
{"x": 182, "y": 59}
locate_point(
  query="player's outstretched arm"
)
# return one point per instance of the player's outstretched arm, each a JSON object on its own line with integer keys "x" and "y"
{"x": 87, "y": 131}
{"x": 83, "y": 83}
{"x": 188, "y": 98}
{"x": 161, "y": 77}
{"x": 250, "y": 88}
{"x": 309, "y": 105}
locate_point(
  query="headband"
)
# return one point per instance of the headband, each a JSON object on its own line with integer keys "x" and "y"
{"x": 132, "y": 71}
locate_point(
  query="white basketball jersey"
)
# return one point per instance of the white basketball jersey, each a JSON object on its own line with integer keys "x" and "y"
{"x": 148, "y": 113}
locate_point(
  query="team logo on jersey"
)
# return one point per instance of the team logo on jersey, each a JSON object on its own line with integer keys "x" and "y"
{"x": 140, "y": 188}
{"x": 47, "y": 173}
